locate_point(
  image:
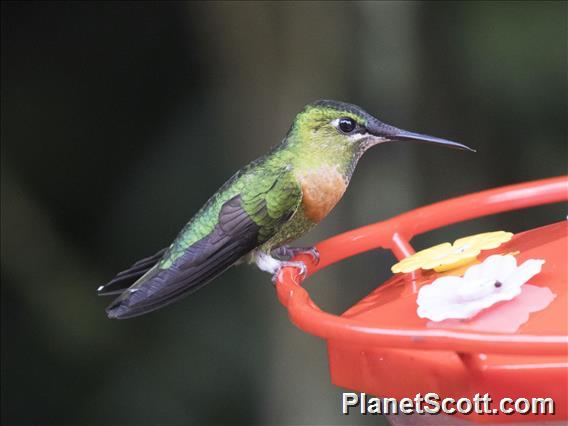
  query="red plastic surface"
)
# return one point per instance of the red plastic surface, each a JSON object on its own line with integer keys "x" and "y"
{"x": 382, "y": 347}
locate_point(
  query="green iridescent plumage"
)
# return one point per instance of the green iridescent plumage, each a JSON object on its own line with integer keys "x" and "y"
{"x": 270, "y": 195}
{"x": 272, "y": 179}
{"x": 265, "y": 205}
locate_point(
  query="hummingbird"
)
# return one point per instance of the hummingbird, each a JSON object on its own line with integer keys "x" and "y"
{"x": 262, "y": 208}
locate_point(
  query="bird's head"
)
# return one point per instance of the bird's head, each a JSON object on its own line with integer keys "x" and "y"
{"x": 338, "y": 125}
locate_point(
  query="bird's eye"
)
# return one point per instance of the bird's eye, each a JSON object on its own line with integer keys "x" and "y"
{"x": 347, "y": 125}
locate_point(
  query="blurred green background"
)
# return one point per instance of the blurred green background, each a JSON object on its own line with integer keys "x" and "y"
{"x": 119, "y": 120}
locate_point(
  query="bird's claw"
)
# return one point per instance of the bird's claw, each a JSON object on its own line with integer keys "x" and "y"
{"x": 290, "y": 252}
{"x": 303, "y": 269}
{"x": 314, "y": 252}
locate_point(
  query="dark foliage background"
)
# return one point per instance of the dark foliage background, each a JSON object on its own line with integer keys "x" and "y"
{"x": 120, "y": 119}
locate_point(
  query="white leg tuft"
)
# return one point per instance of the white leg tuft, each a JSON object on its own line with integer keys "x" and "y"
{"x": 269, "y": 264}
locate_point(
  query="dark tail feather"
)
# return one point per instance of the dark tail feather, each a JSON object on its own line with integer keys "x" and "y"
{"x": 162, "y": 287}
{"x": 235, "y": 235}
{"x": 126, "y": 278}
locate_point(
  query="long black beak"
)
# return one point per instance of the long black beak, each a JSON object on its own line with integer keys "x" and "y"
{"x": 403, "y": 135}
{"x": 391, "y": 133}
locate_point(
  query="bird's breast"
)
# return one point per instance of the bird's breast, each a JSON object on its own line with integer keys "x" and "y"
{"x": 322, "y": 188}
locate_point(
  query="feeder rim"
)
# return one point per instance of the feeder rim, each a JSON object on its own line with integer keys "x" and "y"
{"x": 395, "y": 234}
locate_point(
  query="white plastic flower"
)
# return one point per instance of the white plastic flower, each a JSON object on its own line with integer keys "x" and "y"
{"x": 497, "y": 279}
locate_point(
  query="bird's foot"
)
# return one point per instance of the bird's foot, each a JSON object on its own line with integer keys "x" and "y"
{"x": 267, "y": 263}
{"x": 287, "y": 252}
{"x": 303, "y": 269}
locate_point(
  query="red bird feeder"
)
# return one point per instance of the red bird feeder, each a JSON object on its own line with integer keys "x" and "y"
{"x": 380, "y": 345}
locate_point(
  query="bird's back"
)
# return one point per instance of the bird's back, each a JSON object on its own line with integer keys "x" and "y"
{"x": 247, "y": 211}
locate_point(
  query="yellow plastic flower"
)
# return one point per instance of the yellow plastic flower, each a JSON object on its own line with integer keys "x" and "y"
{"x": 446, "y": 256}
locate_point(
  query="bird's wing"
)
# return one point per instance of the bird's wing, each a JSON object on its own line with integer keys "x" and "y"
{"x": 245, "y": 221}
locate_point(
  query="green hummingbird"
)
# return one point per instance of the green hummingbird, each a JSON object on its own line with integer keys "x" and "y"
{"x": 261, "y": 208}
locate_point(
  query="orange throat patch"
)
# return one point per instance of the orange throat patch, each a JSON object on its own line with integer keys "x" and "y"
{"x": 322, "y": 188}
